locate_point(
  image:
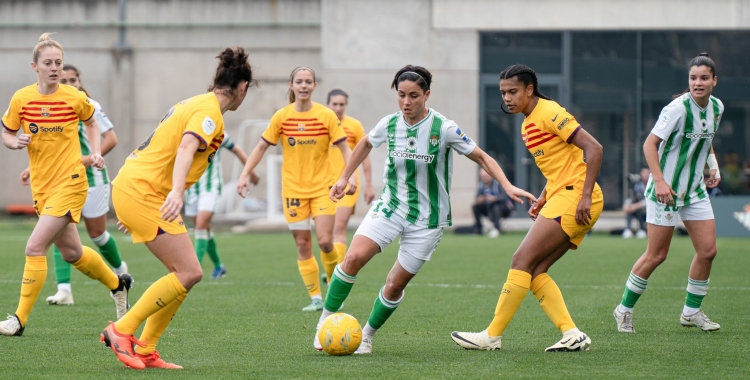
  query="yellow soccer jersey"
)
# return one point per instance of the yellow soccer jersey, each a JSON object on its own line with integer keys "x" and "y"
{"x": 52, "y": 122}
{"x": 354, "y": 133}
{"x": 305, "y": 140}
{"x": 148, "y": 170}
{"x": 548, "y": 133}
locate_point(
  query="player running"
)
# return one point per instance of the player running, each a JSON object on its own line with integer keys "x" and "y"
{"x": 97, "y": 201}
{"x": 201, "y": 203}
{"x": 570, "y": 204}
{"x": 677, "y": 150}
{"x": 147, "y": 195}
{"x": 49, "y": 113}
{"x": 306, "y": 130}
{"x": 338, "y": 100}
{"x": 416, "y": 201}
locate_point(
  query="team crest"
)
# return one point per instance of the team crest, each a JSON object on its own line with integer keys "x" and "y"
{"x": 668, "y": 216}
{"x": 411, "y": 143}
{"x": 434, "y": 140}
{"x": 525, "y": 138}
{"x": 300, "y": 127}
{"x": 292, "y": 213}
{"x": 45, "y": 111}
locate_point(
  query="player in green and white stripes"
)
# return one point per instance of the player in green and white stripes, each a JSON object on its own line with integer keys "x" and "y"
{"x": 677, "y": 151}
{"x": 415, "y": 202}
{"x": 201, "y": 204}
{"x": 97, "y": 201}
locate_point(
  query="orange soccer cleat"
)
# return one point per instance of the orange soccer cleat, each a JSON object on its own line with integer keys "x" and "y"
{"x": 122, "y": 346}
{"x": 154, "y": 360}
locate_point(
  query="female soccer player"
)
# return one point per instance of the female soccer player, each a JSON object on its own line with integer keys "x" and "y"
{"x": 147, "y": 196}
{"x": 308, "y": 129}
{"x": 677, "y": 150}
{"x": 338, "y": 100}
{"x": 97, "y": 202}
{"x": 416, "y": 200}
{"x": 201, "y": 203}
{"x": 570, "y": 204}
{"x": 49, "y": 113}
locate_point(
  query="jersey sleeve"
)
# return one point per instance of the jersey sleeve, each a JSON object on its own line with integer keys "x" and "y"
{"x": 379, "y": 134}
{"x": 105, "y": 125}
{"x": 563, "y": 124}
{"x": 202, "y": 125}
{"x": 83, "y": 108}
{"x": 336, "y": 132}
{"x": 228, "y": 143}
{"x": 669, "y": 119}
{"x": 458, "y": 140}
{"x": 12, "y": 118}
{"x": 273, "y": 132}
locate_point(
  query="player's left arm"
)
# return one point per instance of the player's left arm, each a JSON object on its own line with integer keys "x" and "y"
{"x": 242, "y": 156}
{"x": 92, "y": 132}
{"x": 714, "y": 177}
{"x": 495, "y": 171}
{"x": 347, "y": 153}
{"x": 592, "y": 151}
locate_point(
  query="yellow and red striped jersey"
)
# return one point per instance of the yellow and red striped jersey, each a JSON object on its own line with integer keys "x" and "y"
{"x": 354, "y": 133}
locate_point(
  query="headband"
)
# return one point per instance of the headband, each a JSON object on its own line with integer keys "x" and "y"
{"x": 301, "y": 68}
{"x": 415, "y": 73}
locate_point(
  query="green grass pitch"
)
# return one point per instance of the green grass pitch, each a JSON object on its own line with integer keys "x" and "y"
{"x": 249, "y": 324}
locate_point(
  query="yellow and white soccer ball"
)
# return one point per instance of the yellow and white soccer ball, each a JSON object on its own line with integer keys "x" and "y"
{"x": 340, "y": 334}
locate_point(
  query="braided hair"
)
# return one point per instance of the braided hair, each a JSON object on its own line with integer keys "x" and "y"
{"x": 525, "y": 75}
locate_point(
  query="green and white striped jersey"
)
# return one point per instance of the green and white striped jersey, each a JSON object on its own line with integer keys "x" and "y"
{"x": 212, "y": 180}
{"x": 419, "y": 166}
{"x": 95, "y": 177}
{"x": 687, "y": 131}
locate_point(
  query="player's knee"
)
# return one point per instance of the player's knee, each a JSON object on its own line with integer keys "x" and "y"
{"x": 191, "y": 277}
{"x": 707, "y": 254}
{"x": 34, "y": 249}
{"x": 658, "y": 256}
{"x": 96, "y": 231}
{"x": 394, "y": 287}
{"x": 325, "y": 244}
{"x": 352, "y": 263}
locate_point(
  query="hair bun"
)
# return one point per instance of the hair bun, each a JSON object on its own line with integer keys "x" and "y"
{"x": 704, "y": 54}
{"x": 233, "y": 58}
{"x": 45, "y": 37}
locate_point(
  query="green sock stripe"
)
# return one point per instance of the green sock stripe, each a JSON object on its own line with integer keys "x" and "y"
{"x": 637, "y": 280}
{"x": 338, "y": 290}
{"x": 343, "y": 276}
{"x": 629, "y": 298}
{"x": 386, "y": 302}
{"x": 698, "y": 282}
{"x": 635, "y": 287}
{"x": 694, "y": 300}
{"x": 62, "y": 267}
{"x": 111, "y": 253}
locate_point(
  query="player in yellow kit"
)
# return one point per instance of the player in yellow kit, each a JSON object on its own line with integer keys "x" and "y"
{"x": 48, "y": 112}
{"x": 147, "y": 196}
{"x": 306, "y": 130}
{"x": 570, "y": 204}
{"x": 338, "y": 100}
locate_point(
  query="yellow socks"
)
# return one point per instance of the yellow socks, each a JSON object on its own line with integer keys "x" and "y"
{"x": 551, "y": 300}
{"x": 341, "y": 249}
{"x": 157, "y": 323}
{"x": 160, "y": 294}
{"x": 93, "y": 266}
{"x": 308, "y": 269}
{"x": 329, "y": 260}
{"x": 34, "y": 274}
{"x": 513, "y": 293}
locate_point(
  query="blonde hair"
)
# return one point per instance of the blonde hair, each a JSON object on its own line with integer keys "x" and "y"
{"x": 45, "y": 41}
{"x": 290, "y": 92}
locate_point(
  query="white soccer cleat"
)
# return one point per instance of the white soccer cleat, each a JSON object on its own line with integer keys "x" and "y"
{"x": 699, "y": 320}
{"x": 624, "y": 321}
{"x": 120, "y": 295}
{"x": 11, "y": 326}
{"x": 493, "y": 233}
{"x": 316, "y": 305}
{"x": 122, "y": 269}
{"x": 366, "y": 346}
{"x": 316, "y": 340}
{"x": 627, "y": 234}
{"x": 476, "y": 341}
{"x": 571, "y": 342}
{"x": 62, "y": 297}
{"x": 641, "y": 234}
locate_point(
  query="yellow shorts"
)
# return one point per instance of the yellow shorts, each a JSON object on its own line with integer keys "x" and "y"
{"x": 142, "y": 216}
{"x": 562, "y": 208}
{"x": 349, "y": 200}
{"x": 67, "y": 200}
{"x": 298, "y": 210}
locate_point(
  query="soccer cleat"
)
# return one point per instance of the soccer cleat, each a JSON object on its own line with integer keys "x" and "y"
{"x": 120, "y": 295}
{"x": 641, "y": 234}
{"x": 122, "y": 346}
{"x": 219, "y": 272}
{"x": 154, "y": 360}
{"x": 477, "y": 341}
{"x": 624, "y": 321}
{"x": 316, "y": 340}
{"x": 571, "y": 342}
{"x": 699, "y": 320}
{"x": 62, "y": 297}
{"x": 122, "y": 269}
{"x": 493, "y": 233}
{"x": 627, "y": 234}
{"x": 316, "y": 305}
{"x": 324, "y": 278}
{"x": 365, "y": 347}
{"x": 11, "y": 326}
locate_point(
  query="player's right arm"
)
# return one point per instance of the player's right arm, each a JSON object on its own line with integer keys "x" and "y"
{"x": 361, "y": 151}
{"x": 11, "y": 119}
{"x": 270, "y": 137}
{"x": 170, "y": 210}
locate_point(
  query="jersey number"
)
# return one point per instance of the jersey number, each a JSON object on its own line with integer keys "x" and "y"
{"x": 147, "y": 142}
{"x": 386, "y": 211}
{"x": 292, "y": 202}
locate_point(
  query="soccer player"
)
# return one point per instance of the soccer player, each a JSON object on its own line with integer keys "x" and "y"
{"x": 97, "y": 202}
{"x": 416, "y": 201}
{"x": 570, "y": 204}
{"x": 49, "y": 113}
{"x": 677, "y": 150}
{"x": 147, "y": 195}
{"x": 306, "y": 130}
{"x": 338, "y": 100}
{"x": 201, "y": 203}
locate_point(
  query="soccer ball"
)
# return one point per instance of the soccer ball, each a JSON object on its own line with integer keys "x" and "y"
{"x": 340, "y": 334}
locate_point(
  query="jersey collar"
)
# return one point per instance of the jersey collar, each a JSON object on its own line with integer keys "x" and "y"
{"x": 429, "y": 113}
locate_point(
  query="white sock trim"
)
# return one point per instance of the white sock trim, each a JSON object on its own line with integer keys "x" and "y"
{"x": 101, "y": 240}
{"x": 368, "y": 330}
{"x": 201, "y": 234}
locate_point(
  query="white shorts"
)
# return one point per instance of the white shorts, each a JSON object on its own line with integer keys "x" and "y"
{"x": 659, "y": 214}
{"x": 203, "y": 202}
{"x": 416, "y": 245}
{"x": 97, "y": 202}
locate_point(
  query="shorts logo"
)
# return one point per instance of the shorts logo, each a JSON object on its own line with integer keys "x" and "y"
{"x": 292, "y": 213}
{"x": 434, "y": 140}
{"x": 411, "y": 143}
{"x": 33, "y": 128}
{"x": 291, "y": 141}
{"x": 45, "y": 112}
{"x": 668, "y": 216}
{"x": 208, "y": 126}
{"x": 563, "y": 123}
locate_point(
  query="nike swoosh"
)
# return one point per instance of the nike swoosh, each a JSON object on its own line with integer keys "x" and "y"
{"x": 555, "y": 118}
{"x": 565, "y": 342}
{"x": 48, "y": 207}
{"x": 323, "y": 208}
